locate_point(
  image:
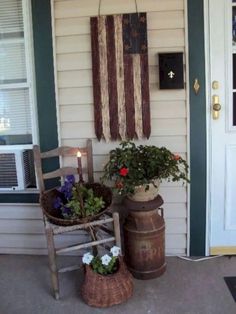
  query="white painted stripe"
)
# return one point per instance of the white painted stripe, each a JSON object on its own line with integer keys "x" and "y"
{"x": 137, "y": 95}
{"x": 104, "y": 77}
{"x": 120, "y": 75}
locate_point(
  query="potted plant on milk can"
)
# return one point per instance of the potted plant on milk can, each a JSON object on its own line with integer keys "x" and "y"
{"x": 137, "y": 172}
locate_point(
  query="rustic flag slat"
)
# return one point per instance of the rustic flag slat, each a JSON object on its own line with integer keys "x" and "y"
{"x": 102, "y": 50}
{"x": 135, "y": 34}
{"x": 120, "y": 76}
{"x": 137, "y": 96}
{"x": 143, "y": 33}
{"x": 129, "y": 96}
{"x": 96, "y": 79}
{"x": 146, "y": 115}
{"x": 112, "y": 83}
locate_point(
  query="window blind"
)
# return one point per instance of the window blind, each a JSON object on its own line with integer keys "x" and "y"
{"x": 15, "y": 107}
{"x": 11, "y": 17}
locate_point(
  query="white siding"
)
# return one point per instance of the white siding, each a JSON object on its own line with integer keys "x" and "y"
{"x": 21, "y": 229}
{"x": 168, "y": 108}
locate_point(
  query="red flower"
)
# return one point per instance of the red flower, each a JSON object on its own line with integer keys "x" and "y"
{"x": 123, "y": 171}
{"x": 119, "y": 185}
{"x": 176, "y": 157}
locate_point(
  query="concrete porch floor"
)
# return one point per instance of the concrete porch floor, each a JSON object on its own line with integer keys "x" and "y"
{"x": 185, "y": 288}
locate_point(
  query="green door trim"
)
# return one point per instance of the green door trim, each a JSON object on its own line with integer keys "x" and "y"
{"x": 45, "y": 89}
{"x": 198, "y": 135}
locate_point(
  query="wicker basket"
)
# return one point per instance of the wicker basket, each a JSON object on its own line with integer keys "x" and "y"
{"x": 55, "y": 216}
{"x": 104, "y": 291}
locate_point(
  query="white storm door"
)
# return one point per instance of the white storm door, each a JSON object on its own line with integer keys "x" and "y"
{"x": 222, "y": 130}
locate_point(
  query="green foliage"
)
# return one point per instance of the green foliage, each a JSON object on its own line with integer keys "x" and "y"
{"x": 102, "y": 269}
{"x": 78, "y": 201}
{"x": 84, "y": 202}
{"x": 130, "y": 165}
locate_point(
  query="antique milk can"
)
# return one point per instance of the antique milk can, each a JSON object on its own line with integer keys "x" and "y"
{"x": 144, "y": 238}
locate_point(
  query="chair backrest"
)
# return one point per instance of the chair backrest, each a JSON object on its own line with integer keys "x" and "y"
{"x": 63, "y": 151}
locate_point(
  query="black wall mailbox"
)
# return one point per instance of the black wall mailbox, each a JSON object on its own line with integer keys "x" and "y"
{"x": 171, "y": 74}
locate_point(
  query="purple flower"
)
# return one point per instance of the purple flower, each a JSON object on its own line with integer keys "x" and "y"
{"x": 66, "y": 189}
{"x": 66, "y": 210}
{"x": 70, "y": 179}
{"x": 57, "y": 202}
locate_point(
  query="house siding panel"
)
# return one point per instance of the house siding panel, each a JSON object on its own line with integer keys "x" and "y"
{"x": 168, "y": 108}
{"x": 166, "y": 33}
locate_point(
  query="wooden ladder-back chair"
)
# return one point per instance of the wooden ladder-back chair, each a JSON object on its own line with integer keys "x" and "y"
{"x": 52, "y": 230}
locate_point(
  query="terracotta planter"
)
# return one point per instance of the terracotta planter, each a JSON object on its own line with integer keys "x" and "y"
{"x": 143, "y": 195}
{"x": 107, "y": 290}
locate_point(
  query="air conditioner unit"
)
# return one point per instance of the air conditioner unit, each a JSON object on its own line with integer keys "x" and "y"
{"x": 16, "y": 169}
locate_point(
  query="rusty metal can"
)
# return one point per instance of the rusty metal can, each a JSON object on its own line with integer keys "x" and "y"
{"x": 144, "y": 238}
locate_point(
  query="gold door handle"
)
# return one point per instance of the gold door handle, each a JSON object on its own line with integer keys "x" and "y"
{"x": 216, "y": 107}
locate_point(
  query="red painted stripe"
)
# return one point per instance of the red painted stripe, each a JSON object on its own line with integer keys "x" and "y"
{"x": 112, "y": 81}
{"x": 96, "y": 78}
{"x": 129, "y": 96}
{"x": 145, "y": 95}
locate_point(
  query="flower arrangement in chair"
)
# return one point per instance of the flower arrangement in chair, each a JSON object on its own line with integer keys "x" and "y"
{"x": 76, "y": 202}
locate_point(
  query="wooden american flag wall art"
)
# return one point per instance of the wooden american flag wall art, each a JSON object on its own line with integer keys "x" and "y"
{"x": 120, "y": 76}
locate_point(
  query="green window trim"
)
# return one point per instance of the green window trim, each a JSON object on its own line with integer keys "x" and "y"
{"x": 197, "y": 128}
{"x": 45, "y": 90}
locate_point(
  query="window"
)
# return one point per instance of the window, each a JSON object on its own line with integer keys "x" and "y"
{"x": 17, "y": 99}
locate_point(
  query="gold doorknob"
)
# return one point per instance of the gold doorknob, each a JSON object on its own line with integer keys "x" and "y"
{"x": 216, "y": 107}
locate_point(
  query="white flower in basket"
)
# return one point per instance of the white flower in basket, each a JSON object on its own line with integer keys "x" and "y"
{"x": 115, "y": 250}
{"x": 105, "y": 259}
{"x": 106, "y": 264}
{"x": 87, "y": 258}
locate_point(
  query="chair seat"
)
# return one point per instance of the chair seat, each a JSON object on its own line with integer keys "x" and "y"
{"x": 104, "y": 219}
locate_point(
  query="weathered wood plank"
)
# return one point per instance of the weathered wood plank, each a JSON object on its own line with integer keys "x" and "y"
{"x": 96, "y": 74}
{"x": 102, "y": 50}
{"x": 120, "y": 76}
{"x": 112, "y": 77}
{"x": 137, "y": 96}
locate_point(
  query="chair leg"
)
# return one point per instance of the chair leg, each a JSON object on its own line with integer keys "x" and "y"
{"x": 117, "y": 229}
{"x": 52, "y": 262}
